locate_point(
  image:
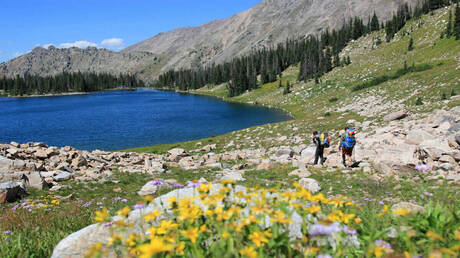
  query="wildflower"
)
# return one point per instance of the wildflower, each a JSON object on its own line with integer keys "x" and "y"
{"x": 165, "y": 226}
{"x": 124, "y": 200}
{"x": 281, "y": 218}
{"x": 381, "y": 202}
{"x": 319, "y": 229}
{"x": 314, "y": 209}
{"x": 117, "y": 198}
{"x": 225, "y": 235}
{"x": 433, "y": 235}
{"x": 87, "y": 204}
{"x": 104, "y": 198}
{"x": 191, "y": 233}
{"x": 385, "y": 210}
{"x": 108, "y": 224}
{"x": 180, "y": 248}
{"x": 428, "y": 194}
{"x": 204, "y": 188}
{"x": 101, "y": 216}
{"x": 349, "y": 231}
{"x": 249, "y": 252}
{"x": 383, "y": 244}
{"x": 311, "y": 251}
{"x": 401, "y": 212}
{"x": 156, "y": 245}
{"x": 173, "y": 199}
{"x": 156, "y": 182}
{"x": 124, "y": 212}
{"x": 178, "y": 185}
{"x": 192, "y": 184}
{"x": 324, "y": 256}
{"x": 116, "y": 238}
{"x": 258, "y": 238}
{"x": 227, "y": 182}
{"x": 203, "y": 228}
{"x": 152, "y": 216}
{"x": 422, "y": 168}
{"x": 138, "y": 206}
{"x": 15, "y": 207}
{"x": 148, "y": 198}
{"x": 8, "y": 232}
{"x": 94, "y": 250}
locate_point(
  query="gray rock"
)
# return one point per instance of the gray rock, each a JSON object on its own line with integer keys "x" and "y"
{"x": 309, "y": 152}
{"x": 35, "y": 180}
{"x": 63, "y": 176}
{"x": 41, "y": 154}
{"x": 310, "y": 184}
{"x": 232, "y": 175}
{"x": 418, "y": 136}
{"x": 446, "y": 166}
{"x": 301, "y": 173}
{"x": 284, "y": 151}
{"x": 176, "y": 152}
{"x": 395, "y": 116}
{"x": 148, "y": 189}
{"x": 446, "y": 159}
{"x": 5, "y": 162}
{"x": 413, "y": 208}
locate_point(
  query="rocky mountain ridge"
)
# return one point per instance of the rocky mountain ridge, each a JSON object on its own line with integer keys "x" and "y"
{"x": 266, "y": 24}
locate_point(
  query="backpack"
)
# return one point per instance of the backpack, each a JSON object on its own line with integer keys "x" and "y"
{"x": 325, "y": 139}
{"x": 349, "y": 141}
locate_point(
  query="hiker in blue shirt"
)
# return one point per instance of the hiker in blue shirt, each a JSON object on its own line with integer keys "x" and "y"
{"x": 347, "y": 144}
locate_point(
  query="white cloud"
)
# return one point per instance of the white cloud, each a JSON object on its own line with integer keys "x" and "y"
{"x": 79, "y": 44}
{"x": 112, "y": 43}
{"x": 48, "y": 45}
{"x": 16, "y": 54}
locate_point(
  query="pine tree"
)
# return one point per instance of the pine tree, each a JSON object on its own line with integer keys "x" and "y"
{"x": 456, "y": 28}
{"x": 375, "y": 25}
{"x": 411, "y": 45}
{"x": 449, "y": 25}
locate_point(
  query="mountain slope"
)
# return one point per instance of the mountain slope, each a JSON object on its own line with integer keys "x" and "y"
{"x": 55, "y": 60}
{"x": 268, "y": 23}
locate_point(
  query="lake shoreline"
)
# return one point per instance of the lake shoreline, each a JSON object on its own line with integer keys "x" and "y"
{"x": 67, "y": 93}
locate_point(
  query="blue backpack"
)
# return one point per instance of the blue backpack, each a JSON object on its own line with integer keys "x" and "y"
{"x": 349, "y": 141}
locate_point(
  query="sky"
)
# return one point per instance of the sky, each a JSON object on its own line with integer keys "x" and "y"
{"x": 112, "y": 24}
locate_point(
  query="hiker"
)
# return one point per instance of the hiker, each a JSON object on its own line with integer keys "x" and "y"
{"x": 321, "y": 141}
{"x": 347, "y": 144}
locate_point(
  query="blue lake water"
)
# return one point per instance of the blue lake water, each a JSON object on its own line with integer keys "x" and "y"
{"x": 115, "y": 120}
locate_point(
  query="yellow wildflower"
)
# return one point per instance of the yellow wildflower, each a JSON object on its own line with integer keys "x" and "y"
{"x": 203, "y": 228}
{"x": 280, "y": 217}
{"x": 172, "y": 200}
{"x": 191, "y": 233}
{"x": 249, "y": 251}
{"x": 180, "y": 248}
{"x": 314, "y": 209}
{"x": 401, "y": 212}
{"x": 311, "y": 251}
{"x": 225, "y": 235}
{"x": 114, "y": 239}
{"x": 227, "y": 181}
{"x": 407, "y": 254}
{"x": 148, "y": 198}
{"x": 433, "y": 235}
{"x": 94, "y": 250}
{"x": 385, "y": 210}
{"x": 345, "y": 218}
{"x": 258, "y": 238}
{"x": 152, "y": 216}
{"x": 204, "y": 188}
{"x": 124, "y": 212}
{"x": 156, "y": 245}
{"x": 165, "y": 226}
{"x": 101, "y": 216}
{"x": 358, "y": 221}
{"x": 131, "y": 241}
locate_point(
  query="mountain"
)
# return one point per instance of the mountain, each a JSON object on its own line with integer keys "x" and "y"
{"x": 53, "y": 60}
{"x": 268, "y": 23}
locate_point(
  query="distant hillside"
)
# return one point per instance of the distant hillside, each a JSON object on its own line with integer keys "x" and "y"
{"x": 52, "y": 61}
{"x": 267, "y": 23}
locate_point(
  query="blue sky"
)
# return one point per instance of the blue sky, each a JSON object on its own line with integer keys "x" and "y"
{"x": 111, "y": 24}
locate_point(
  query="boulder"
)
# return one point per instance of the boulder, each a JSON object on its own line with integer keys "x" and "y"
{"x": 79, "y": 162}
{"x": 149, "y": 189}
{"x": 41, "y": 154}
{"x": 446, "y": 166}
{"x": 310, "y": 184}
{"x": 308, "y": 153}
{"x": 418, "y": 136}
{"x": 284, "y": 151}
{"x": 446, "y": 159}
{"x": 12, "y": 151}
{"x": 395, "y": 116}
{"x": 232, "y": 175}
{"x": 176, "y": 152}
{"x": 265, "y": 164}
{"x": 5, "y": 162}
{"x": 35, "y": 180}
{"x": 11, "y": 191}
{"x": 413, "y": 208}
{"x": 301, "y": 173}
{"x": 63, "y": 176}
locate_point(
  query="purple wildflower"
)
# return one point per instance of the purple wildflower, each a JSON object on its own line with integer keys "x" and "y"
{"x": 383, "y": 244}
{"x": 177, "y": 185}
{"x": 422, "y": 168}
{"x": 428, "y": 194}
{"x": 319, "y": 229}
{"x": 366, "y": 199}
{"x": 324, "y": 256}
{"x": 23, "y": 204}
{"x": 104, "y": 198}
{"x": 8, "y": 232}
{"x": 139, "y": 206}
{"x": 422, "y": 196}
{"x": 350, "y": 187}
{"x": 349, "y": 231}
{"x": 381, "y": 202}
{"x": 108, "y": 224}
{"x": 15, "y": 207}
{"x": 86, "y": 205}
{"x": 117, "y": 198}
{"x": 156, "y": 182}
{"x": 30, "y": 210}
{"x": 192, "y": 184}
{"x": 124, "y": 200}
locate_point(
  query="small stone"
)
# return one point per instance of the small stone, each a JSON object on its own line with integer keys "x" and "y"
{"x": 310, "y": 184}
{"x": 63, "y": 176}
{"x": 148, "y": 189}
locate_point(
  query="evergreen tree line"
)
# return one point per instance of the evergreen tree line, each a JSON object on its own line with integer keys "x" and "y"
{"x": 66, "y": 82}
{"x": 453, "y": 24}
{"x": 316, "y": 54}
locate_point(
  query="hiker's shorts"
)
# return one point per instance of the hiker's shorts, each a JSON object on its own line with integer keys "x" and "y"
{"x": 347, "y": 151}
